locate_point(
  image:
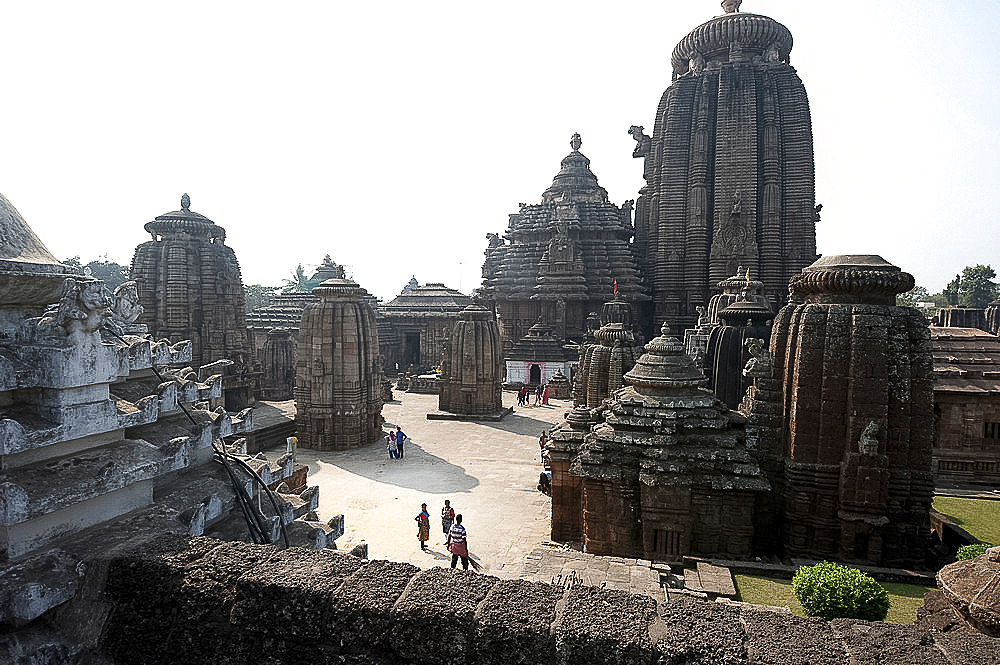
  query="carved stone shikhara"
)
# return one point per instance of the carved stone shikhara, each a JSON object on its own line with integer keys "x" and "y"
{"x": 338, "y": 378}
{"x": 844, "y": 425}
{"x": 563, "y": 257}
{"x": 471, "y": 365}
{"x": 729, "y": 171}
{"x": 190, "y": 288}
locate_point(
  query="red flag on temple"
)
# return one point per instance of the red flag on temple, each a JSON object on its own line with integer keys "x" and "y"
{"x": 616, "y": 287}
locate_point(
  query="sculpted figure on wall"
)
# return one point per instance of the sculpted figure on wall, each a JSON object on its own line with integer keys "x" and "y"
{"x": 84, "y": 307}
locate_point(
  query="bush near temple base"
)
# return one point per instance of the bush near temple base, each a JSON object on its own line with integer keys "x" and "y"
{"x": 830, "y": 591}
{"x": 971, "y": 551}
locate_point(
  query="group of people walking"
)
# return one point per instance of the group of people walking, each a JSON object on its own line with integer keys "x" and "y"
{"x": 541, "y": 395}
{"x": 456, "y": 537}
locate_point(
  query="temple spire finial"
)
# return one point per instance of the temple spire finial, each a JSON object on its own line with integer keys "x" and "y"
{"x": 575, "y": 142}
{"x": 731, "y": 6}
{"x": 186, "y": 203}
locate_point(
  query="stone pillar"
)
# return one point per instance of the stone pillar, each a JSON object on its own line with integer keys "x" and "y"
{"x": 338, "y": 380}
{"x": 470, "y": 365}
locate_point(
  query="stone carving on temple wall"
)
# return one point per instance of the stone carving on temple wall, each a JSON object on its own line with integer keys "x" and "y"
{"x": 643, "y": 143}
{"x": 868, "y": 443}
{"x": 696, "y": 63}
{"x": 84, "y": 307}
{"x": 760, "y": 364}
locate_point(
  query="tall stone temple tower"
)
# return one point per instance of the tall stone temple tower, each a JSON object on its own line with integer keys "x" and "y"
{"x": 190, "y": 288}
{"x": 338, "y": 376}
{"x": 564, "y": 257}
{"x": 729, "y": 168}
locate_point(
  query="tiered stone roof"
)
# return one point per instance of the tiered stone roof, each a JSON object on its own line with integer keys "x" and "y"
{"x": 430, "y": 300}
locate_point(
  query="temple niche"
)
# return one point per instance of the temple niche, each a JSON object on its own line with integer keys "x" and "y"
{"x": 842, "y": 417}
{"x": 729, "y": 168}
{"x": 338, "y": 377}
{"x": 190, "y": 288}
{"x": 471, "y": 366}
{"x": 563, "y": 257}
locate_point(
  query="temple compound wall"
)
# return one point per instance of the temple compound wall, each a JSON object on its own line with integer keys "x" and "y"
{"x": 190, "y": 287}
{"x": 232, "y": 603}
{"x": 729, "y": 168}
{"x": 338, "y": 377}
{"x": 966, "y": 407}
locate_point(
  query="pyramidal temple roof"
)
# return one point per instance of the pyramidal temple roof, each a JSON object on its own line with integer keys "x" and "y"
{"x": 575, "y": 181}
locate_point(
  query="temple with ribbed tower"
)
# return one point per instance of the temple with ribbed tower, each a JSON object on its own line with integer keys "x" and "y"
{"x": 190, "y": 288}
{"x": 561, "y": 259}
{"x": 729, "y": 168}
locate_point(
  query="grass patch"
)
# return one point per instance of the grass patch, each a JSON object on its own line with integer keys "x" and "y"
{"x": 980, "y": 517}
{"x": 904, "y": 599}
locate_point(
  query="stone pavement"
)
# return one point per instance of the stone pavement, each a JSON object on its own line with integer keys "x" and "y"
{"x": 487, "y": 469}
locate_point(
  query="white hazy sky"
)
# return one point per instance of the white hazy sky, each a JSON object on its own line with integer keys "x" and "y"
{"x": 395, "y": 135}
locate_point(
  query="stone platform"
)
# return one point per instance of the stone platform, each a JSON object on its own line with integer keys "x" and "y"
{"x": 486, "y": 417}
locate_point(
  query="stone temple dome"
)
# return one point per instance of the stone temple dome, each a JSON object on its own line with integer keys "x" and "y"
{"x": 29, "y": 274}
{"x": 755, "y": 34}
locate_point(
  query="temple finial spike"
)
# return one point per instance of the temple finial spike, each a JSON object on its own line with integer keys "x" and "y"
{"x": 575, "y": 142}
{"x": 731, "y": 6}
{"x": 186, "y": 203}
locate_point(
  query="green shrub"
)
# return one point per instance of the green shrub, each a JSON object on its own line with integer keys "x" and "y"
{"x": 830, "y": 591}
{"x": 971, "y": 551}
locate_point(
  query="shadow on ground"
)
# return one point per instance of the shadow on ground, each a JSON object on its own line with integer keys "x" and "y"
{"x": 519, "y": 424}
{"x": 417, "y": 470}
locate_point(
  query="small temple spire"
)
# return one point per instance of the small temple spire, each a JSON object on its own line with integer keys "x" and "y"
{"x": 186, "y": 203}
{"x": 731, "y": 6}
{"x": 575, "y": 142}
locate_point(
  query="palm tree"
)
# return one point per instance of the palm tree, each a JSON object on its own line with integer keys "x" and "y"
{"x": 299, "y": 281}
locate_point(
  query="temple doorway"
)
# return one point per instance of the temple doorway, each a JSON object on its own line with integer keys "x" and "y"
{"x": 411, "y": 349}
{"x": 534, "y": 374}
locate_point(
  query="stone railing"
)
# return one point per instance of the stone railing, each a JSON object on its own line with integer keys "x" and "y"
{"x": 236, "y": 603}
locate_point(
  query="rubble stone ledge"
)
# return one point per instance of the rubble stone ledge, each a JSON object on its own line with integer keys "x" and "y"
{"x": 216, "y": 602}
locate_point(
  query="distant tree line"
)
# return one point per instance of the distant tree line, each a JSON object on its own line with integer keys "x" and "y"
{"x": 973, "y": 287}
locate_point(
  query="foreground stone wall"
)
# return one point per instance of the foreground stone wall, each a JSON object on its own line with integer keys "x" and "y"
{"x": 227, "y": 603}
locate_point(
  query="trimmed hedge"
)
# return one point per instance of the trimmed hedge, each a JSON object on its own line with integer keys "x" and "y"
{"x": 831, "y": 591}
{"x": 971, "y": 551}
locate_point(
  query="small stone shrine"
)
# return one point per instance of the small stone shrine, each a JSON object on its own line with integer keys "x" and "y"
{"x": 537, "y": 356}
{"x": 338, "y": 377}
{"x": 564, "y": 258}
{"x": 850, "y": 453}
{"x": 667, "y": 474}
{"x": 471, "y": 365}
{"x": 737, "y": 287}
{"x": 729, "y": 168}
{"x": 727, "y": 352}
{"x": 605, "y": 357}
{"x": 190, "y": 288}
{"x": 966, "y": 407}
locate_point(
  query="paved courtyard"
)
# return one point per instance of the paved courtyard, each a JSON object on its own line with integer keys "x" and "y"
{"x": 488, "y": 470}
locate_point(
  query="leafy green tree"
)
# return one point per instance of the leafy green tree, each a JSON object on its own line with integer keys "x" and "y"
{"x": 912, "y": 297}
{"x": 103, "y": 268}
{"x": 831, "y": 591}
{"x": 258, "y": 296}
{"x": 976, "y": 287}
{"x": 950, "y": 292}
